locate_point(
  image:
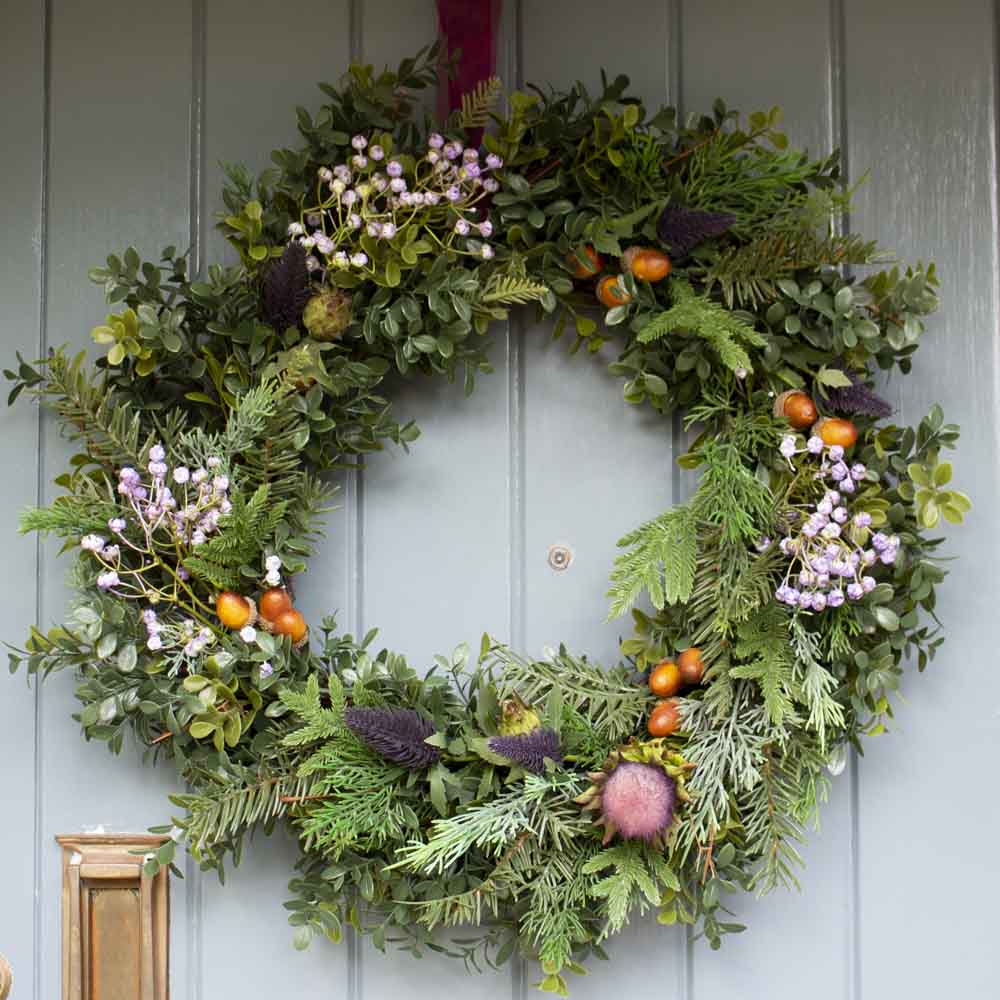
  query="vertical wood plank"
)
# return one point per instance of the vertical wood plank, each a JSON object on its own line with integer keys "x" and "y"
{"x": 770, "y": 52}
{"x": 434, "y": 528}
{"x": 22, "y": 109}
{"x": 118, "y": 173}
{"x": 921, "y": 105}
{"x": 261, "y": 60}
{"x": 594, "y": 466}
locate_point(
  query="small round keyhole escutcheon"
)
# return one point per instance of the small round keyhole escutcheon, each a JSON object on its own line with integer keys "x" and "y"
{"x": 560, "y": 557}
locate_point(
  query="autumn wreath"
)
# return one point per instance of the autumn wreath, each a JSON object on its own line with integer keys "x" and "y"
{"x": 543, "y": 801}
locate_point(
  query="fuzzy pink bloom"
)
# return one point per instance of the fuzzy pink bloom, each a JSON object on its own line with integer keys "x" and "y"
{"x": 639, "y": 800}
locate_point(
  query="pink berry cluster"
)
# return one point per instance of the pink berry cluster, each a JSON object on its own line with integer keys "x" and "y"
{"x": 166, "y": 514}
{"x": 377, "y": 197}
{"x": 832, "y": 552}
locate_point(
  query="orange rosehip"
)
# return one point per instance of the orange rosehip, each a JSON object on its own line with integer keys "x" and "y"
{"x": 665, "y": 718}
{"x": 797, "y": 408}
{"x": 292, "y": 624}
{"x": 274, "y": 602}
{"x": 234, "y": 610}
{"x": 665, "y": 679}
{"x": 610, "y": 293}
{"x": 836, "y": 430}
{"x": 691, "y": 666}
{"x": 586, "y": 262}
{"x": 646, "y": 264}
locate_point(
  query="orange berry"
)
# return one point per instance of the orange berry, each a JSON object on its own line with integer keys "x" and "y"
{"x": 646, "y": 264}
{"x": 835, "y": 430}
{"x": 610, "y": 293}
{"x": 586, "y": 262}
{"x": 797, "y": 408}
{"x": 292, "y": 624}
{"x": 274, "y": 602}
{"x": 691, "y": 666}
{"x": 665, "y": 719}
{"x": 234, "y": 611}
{"x": 665, "y": 679}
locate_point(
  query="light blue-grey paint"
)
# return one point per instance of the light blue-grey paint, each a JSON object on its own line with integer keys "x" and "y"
{"x": 897, "y": 897}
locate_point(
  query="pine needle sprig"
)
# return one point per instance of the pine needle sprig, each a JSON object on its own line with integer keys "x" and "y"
{"x": 220, "y": 817}
{"x": 747, "y": 274}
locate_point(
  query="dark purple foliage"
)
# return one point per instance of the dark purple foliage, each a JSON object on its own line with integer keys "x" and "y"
{"x": 857, "y": 399}
{"x": 396, "y": 733}
{"x": 529, "y": 749}
{"x": 287, "y": 290}
{"x": 681, "y": 229}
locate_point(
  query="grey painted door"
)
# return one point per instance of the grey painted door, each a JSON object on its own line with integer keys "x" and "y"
{"x": 902, "y": 880}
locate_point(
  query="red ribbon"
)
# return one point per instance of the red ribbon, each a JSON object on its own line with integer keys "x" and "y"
{"x": 468, "y": 27}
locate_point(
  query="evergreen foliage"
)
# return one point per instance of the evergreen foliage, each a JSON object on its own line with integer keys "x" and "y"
{"x": 451, "y": 796}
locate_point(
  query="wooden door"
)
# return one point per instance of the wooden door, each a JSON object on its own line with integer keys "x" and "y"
{"x": 115, "y": 117}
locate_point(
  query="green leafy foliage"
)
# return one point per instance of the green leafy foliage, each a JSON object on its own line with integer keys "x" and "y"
{"x": 761, "y": 301}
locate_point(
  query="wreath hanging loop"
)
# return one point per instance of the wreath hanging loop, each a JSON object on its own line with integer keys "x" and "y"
{"x": 542, "y": 800}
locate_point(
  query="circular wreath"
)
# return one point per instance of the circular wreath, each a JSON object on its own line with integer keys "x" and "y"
{"x": 544, "y": 801}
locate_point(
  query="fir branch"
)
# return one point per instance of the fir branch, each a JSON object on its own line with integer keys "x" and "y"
{"x": 559, "y": 915}
{"x": 661, "y": 561}
{"x": 727, "y": 752}
{"x": 747, "y": 274}
{"x": 727, "y": 333}
{"x": 227, "y": 812}
{"x": 73, "y": 515}
{"x": 111, "y": 433}
{"x": 730, "y": 496}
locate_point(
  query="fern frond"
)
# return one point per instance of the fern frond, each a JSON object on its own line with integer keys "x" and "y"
{"x": 763, "y": 642}
{"x": 637, "y": 881}
{"x": 221, "y": 560}
{"x": 478, "y": 105}
{"x": 661, "y": 561}
{"x": 728, "y": 333}
{"x": 511, "y": 290}
{"x": 319, "y": 723}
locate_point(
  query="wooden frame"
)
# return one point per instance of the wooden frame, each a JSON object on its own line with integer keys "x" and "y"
{"x": 108, "y": 902}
